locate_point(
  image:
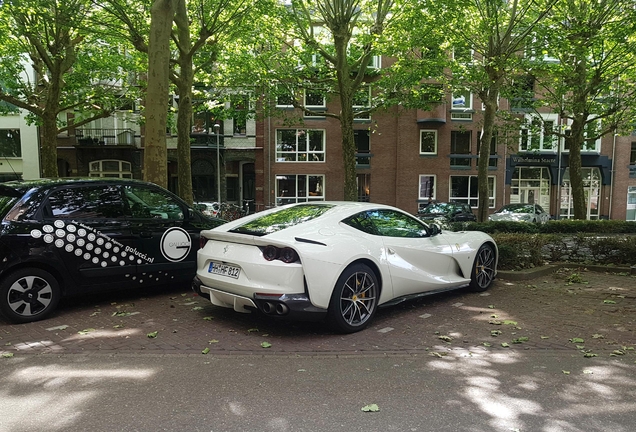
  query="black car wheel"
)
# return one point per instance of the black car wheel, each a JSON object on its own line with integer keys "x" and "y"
{"x": 483, "y": 268}
{"x": 354, "y": 300}
{"x": 29, "y": 294}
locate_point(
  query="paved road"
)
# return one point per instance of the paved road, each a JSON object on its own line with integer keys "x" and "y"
{"x": 435, "y": 364}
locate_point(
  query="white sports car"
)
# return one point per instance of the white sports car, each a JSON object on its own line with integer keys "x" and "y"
{"x": 336, "y": 260}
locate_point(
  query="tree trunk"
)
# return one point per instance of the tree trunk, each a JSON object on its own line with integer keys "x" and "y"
{"x": 48, "y": 151}
{"x": 156, "y": 112}
{"x": 490, "y": 103}
{"x": 184, "y": 86}
{"x": 576, "y": 179}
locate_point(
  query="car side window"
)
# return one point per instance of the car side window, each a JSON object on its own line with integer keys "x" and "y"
{"x": 389, "y": 223}
{"x": 86, "y": 202}
{"x": 362, "y": 222}
{"x": 147, "y": 203}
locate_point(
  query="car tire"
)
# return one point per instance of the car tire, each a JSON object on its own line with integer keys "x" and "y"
{"x": 29, "y": 294}
{"x": 354, "y": 300}
{"x": 483, "y": 268}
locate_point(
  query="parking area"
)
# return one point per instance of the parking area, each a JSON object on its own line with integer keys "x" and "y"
{"x": 591, "y": 313}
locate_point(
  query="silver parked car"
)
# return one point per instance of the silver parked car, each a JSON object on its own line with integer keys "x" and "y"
{"x": 521, "y": 213}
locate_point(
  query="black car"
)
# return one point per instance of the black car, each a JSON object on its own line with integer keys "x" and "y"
{"x": 63, "y": 237}
{"x": 447, "y": 212}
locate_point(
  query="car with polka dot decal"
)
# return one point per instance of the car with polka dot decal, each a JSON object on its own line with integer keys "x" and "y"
{"x": 62, "y": 237}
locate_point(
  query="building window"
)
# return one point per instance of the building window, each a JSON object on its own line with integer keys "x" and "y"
{"x": 363, "y": 182}
{"x": 203, "y": 180}
{"x": 361, "y": 138}
{"x": 464, "y": 189}
{"x": 537, "y": 133}
{"x": 299, "y": 188}
{"x": 240, "y": 111}
{"x": 428, "y": 142}
{"x": 10, "y": 143}
{"x": 631, "y": 203}
{"x": 460, "y": 145}
{"x": 300, "y": 145}
{"x": 362, "y": 103}
{"x": 522, "y": 97}
{"x": 462, "y": 105}
{"x": 632, "y": 157}
{"x": 427, "y": 191}
{"x": 531, "y": 185}
{"x": 284, "y": 98}
{"x": 462, "y": 54}
{"x": 315, "y": 102}
{"x": 591, "y": 189}
{"x": 593, "y": 132}
{"x": 110, "y": 168}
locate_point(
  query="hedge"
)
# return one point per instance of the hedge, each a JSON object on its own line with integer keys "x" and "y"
{"x": 526, "y": 245}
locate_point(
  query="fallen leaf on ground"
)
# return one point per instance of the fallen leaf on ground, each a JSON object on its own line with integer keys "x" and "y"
{"x": 205, "y": 350}
{"x": 371, "y": 408}
{"x": 85, "y": 331}
{"x": 152, "y": 335}
{"x": 266, "y": 344}
{"x": 577, "y": 340}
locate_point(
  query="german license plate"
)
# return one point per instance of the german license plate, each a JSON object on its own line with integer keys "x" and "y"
{"x": 224, "y": 270}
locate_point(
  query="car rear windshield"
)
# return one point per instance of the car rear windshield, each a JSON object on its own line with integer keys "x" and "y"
{"x": 6, "y": 202}
{"x": 285, "y": 218}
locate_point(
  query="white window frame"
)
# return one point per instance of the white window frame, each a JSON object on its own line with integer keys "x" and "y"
{"x": 544, "y": 118}
{"x": 470, "y": 200}
{"x": 375, "y": 63}
{"x": 464, "y": 112}
{"x": 428, "y": 131}
{"x": 584, "y": 148}
{"x": 100, "y": 172}
{"x": 311, "y": 156}
{"x": 364, "y": 107}
{"x": 317, "y": 194}
{"x": 631, "y": 203}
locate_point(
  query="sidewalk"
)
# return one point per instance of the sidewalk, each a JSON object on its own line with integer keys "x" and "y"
{"x": 546, "y": 312}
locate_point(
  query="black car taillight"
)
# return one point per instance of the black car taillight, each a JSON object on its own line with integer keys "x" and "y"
{"x": 202, "y": 241}
{"x": 286, "y": 255}
{"x": 270, "y": 253}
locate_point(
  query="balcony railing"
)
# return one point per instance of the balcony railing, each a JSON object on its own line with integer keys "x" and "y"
{"x": 107, "y": 137}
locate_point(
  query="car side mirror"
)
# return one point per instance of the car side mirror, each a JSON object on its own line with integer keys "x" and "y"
{"x": 434, "y": 229}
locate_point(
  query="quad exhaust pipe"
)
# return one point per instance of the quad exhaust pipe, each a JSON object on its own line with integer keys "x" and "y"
{"x": 274, "y": 308}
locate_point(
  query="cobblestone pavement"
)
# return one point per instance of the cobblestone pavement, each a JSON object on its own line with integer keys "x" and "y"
{"x": 585, "y": 312}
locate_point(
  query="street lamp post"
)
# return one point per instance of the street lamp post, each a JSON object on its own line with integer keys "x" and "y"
{"x": 218, "y": 164}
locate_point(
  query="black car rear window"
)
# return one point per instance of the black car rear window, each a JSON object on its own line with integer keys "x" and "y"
{"x": 88, "y": 202}
{"x": 6, "y": 202}
{"x": 282, "y": 219}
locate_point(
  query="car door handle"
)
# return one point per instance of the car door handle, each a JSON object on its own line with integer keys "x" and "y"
{"x": 391, "y": 251}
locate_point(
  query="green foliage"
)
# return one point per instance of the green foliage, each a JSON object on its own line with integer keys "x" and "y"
{"x": 517, "y": 251}
{"x": 525, "y": 245}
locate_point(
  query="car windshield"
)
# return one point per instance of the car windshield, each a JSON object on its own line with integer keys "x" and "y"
{"x": 438, "y": 208}
{"x": 517, "y": 208}
{"x": 284, "y": 218}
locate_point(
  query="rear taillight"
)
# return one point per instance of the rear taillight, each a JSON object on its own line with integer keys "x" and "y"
{"x": 286, "y": 255}
{"x": 270, "y": 253}
{"x": 202, "y": 241}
